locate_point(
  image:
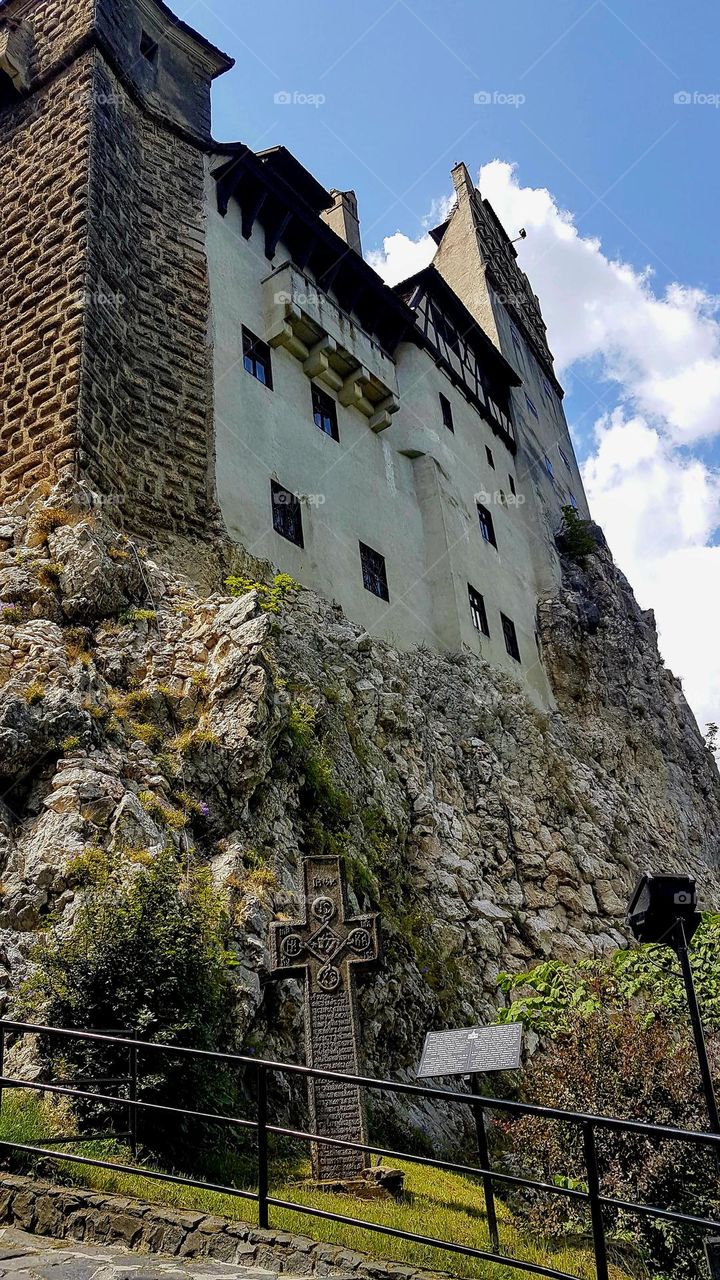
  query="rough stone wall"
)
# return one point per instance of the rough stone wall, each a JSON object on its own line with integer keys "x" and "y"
{"x": 44, "y": 156}
{"x": 104, "y": 295}
{"x": 76, "y": 1214}
{"x": 147, "y": 394}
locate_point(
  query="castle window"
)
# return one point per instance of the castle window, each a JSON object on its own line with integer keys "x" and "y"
{"x": 286, "y": 514}
{"x": 547, "y": 389}
{"x": 513, "y": 490}
{"x": 487, "y": 528}
{"x": 256, "y": 358}
{"x": 573, "y": 502}
{"x": 564, "y": 457}
{"x": 325, "y": 412}
{"x": 511, "y": 640}
{"x": 549, "y": 467}
{"x": 478, "y": 612}
{"x": 447, "y": 415}
{"x": 516, "y": 341}
{"x": 374, "y": 572}
{"x": 148, "y": 48}
{"x": 531, "y": 407}
{"x": 489, "y": 456}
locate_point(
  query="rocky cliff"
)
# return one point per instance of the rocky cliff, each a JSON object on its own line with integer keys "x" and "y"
{"x": 137, "y": 710}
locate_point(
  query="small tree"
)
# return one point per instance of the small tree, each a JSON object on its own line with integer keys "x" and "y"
{"x": 575, "y": 539}
{"x": 147, "y": 953}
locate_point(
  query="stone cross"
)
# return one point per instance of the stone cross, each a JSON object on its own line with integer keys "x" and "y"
{"x": 326, "y": 947}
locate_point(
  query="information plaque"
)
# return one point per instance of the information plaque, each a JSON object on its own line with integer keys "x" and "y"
{"x": 469, "y": 1052}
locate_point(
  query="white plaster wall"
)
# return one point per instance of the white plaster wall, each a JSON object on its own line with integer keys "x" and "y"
{"x": 410, "y": 492}
{"x": 357, "y": 489}
{"x": 507, "y": 578}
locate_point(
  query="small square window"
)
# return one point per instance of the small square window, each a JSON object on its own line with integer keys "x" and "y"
{"x": 487, "y": 528}
{"x": 286, "y": 514}
{"x": 447, "y": 413}
{"x": 489, "y": 456}
{"x": 256, "y": 358}
{"x": 478, "y": 612}
{"x": 549, "y": 467}
{"x": 573, "y": 502}
{"x": 325, "y": 412}
{"x": 531, "y": 407}
{"x": 374, "y": 572}
{"x": 516, "y": 340}
{"x": 510, "y": 634}
{"x": 148, "y": 47}
{"x": 564, "y": 457}
{"x": 547, "y": 389}
{"x": 513, "y": 490}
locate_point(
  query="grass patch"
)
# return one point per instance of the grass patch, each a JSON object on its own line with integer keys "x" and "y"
{"x": 439, "y": 1204}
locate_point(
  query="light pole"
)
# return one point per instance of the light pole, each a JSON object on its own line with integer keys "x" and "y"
{"x": 664, "y": 910}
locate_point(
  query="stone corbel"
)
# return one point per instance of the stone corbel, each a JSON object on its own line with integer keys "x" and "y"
{"x": 318, "y": 362}
{"x": 15, "y": 53}
{"x": 352, "y": 392}
{"x": 381, "y": 419}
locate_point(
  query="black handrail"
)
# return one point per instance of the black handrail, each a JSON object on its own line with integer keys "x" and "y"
{"x": 588, "y": 1123}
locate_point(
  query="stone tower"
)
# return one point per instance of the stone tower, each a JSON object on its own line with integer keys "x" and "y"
{"x": 104, "y": 300}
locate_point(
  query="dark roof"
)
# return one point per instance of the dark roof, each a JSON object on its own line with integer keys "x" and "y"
{"x": 263, "y": 187}
{"x": 224, "y": 60}
{"x": 437, "y": 233}
{"x": 430, "y": 281}
{"x": 283, "y": 163}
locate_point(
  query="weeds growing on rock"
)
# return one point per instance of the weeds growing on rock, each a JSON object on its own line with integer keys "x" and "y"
{"x": 270, "y": 597}
{"x": 11, "y": 614}
{"x": 35, "y": 693}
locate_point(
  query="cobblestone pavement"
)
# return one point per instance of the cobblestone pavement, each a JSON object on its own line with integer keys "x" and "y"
{"x": 28, "y": 1257}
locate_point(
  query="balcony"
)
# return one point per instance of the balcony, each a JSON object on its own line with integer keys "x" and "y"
{"x": 331, "y": 348}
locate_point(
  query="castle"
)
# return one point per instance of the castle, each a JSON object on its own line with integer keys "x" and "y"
{"x": 191, "y": 328}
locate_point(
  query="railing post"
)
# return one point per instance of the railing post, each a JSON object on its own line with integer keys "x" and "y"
{"x": 133, "y": 1093}
{"x": 262, "y": 1145}
{"x": 596, "y": 1209}
{"x": 484, "y": 1157}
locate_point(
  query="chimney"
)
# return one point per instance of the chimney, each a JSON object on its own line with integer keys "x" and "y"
{"x": 462, "y": 182}
{"x": 343, "y": 218}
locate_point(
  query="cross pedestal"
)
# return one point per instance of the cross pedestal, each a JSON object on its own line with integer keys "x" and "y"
{"x": 326, "y": 947}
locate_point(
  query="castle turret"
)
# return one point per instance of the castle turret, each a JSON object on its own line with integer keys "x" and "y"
{"x": 104, "y": 304}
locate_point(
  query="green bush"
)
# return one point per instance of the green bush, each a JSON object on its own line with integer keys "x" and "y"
{"x": 575, "y": 539}
{"x": 147, "y": 953}
{"x": 614, "y": 1040}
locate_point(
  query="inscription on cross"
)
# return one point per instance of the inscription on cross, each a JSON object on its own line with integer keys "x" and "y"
{"x": 326, "y": 947}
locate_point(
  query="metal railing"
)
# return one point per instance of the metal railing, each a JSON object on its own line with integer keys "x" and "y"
{"x": 589, "y": 1126}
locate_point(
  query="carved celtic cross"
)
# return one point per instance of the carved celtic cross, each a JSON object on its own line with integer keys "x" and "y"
{"x": 326, "y": 947}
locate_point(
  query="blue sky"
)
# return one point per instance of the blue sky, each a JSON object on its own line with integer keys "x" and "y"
{"x": 617, "y": 182}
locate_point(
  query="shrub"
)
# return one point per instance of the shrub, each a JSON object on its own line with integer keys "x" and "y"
{"x": 270, "y": 597}
{"x": 10, "y": 613}
{"x": 615, "y": 1041}
{"x": 575, "y": 539}
{"x": 147, "y": 951}
{"x": 35, "y": 693}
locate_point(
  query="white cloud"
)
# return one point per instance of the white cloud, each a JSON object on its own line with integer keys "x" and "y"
{"x": 658, "y": 506}
{"x": 662, "y": 352}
